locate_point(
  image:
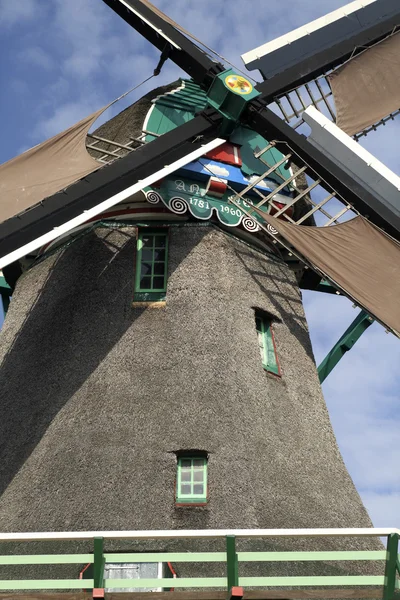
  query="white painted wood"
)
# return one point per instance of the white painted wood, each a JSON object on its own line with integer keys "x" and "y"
{"x": 378, "y": 179}
{"x": 196, "y": 534}
{"x": 96, "y": 210}
{"x": 305, "y": 30}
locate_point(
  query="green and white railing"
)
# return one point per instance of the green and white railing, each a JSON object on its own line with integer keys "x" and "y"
{"x": 235, "y": 582}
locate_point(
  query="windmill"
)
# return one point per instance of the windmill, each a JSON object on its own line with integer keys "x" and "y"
{"x": 93, "y": 407}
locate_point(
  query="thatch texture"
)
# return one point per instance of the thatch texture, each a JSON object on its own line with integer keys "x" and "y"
{"x": 97, "y": 396}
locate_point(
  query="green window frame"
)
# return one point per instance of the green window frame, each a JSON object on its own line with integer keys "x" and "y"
{"x": 151, "y": 265}
{"x": 266, "y": 343}
{"x": 191, "y": 480}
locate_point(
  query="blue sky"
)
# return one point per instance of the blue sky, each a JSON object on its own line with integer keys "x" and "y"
{"x": 61, "y": 60}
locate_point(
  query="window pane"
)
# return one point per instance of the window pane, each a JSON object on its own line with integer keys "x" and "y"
{"x": 145, "y": 269}
{"x": 158, "y": 283}
{"x": 159, "y": 268}
{"x": 198, "y": 488}
{"x": 186, "y": 463}
{"x": 145, "y": 283}
{"x": 185, "y": 475}
{"x": 185, "y": 489}
{"x": 198, "y": 462}
{"x": 258, "y": 324}
{"x": 147, "y": 254}
{"x": 160, "y": 241}
{"x": 159, "y": 255}
{"x": 198, "y": 475}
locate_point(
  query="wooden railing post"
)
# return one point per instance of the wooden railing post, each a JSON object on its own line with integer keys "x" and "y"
{"x": 98, "y": 568}
{"x": 391, "y": 566}
{"x": 232, "y": 568}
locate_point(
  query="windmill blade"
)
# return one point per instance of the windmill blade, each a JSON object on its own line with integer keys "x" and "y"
{"x": 59, "y": 213}
{"x": 350, "y": 188}
{"x": 167, "y": 36}
{"x": 296, "y": 66}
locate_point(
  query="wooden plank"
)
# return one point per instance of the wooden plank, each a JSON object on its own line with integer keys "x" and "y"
{"x": 172, "y": 556}
{"x": 311, "y": 556}
{"x": 47, "y": 596}
{"x": 324, "y": 580}
{"x": 45, "y": 559}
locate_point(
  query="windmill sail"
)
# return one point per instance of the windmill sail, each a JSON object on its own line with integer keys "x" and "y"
{"x": 299, "y": 67}
{"x": 367, "y": 88}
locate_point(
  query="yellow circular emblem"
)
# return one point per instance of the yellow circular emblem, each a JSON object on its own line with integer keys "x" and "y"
{"x": 239, "y": 84}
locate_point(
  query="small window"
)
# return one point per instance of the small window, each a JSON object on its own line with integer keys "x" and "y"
{"x": 266, "y": 344}
{"x": 151, "y": 266}
{"x": 191, "y": 481}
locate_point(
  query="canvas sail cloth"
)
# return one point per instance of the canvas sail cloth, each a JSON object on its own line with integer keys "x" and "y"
{"x": 367, "y": 87}
{"x": 359, "y": 257}
{"x": 46, "y": 169}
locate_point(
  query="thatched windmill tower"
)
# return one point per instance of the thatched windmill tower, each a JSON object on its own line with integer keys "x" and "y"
{"x": 133, "y": 391}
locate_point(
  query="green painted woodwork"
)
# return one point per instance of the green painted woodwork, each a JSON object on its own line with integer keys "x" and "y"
{"x": 250, "y": 142}
{"x": 191, "y": 480}
{"x": 190, "y": 196}
{"x": 344, "y": 344}
{"x": 5, "y": 293}
{"x": 98, "y": 563}
{"x": 173, "y": 557}
{"x": 228, "y": 101}
{"x": 266, "y": 344}
{"x": 311, "y": 556}
{"x": 45, "y": 584}
{"x": 151, "y": 266}
{"x": 311, "y": 581}
{"x": 46, "y": 559}
{"x": 232, "y": 563}
{"x": 173, "y": 109}
{"x": 193, "y": 582}
{"x": 390, "y": 566}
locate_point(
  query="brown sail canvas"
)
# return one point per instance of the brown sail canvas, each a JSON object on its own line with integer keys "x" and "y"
{"x": 359, "y": 257}
{"x": 367, "y": 87}
{"x": 46, "y": 169}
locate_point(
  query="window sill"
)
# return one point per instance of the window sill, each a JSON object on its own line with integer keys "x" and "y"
{"x": 150, "y": 304}
{"x": 190, "y": 504}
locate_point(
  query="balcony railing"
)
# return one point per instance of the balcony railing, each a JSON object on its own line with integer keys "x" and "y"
{"x": 235, "y": 581}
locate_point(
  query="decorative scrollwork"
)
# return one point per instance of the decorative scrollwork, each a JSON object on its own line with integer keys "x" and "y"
{"x": 178, "y": 205}
{"x": 250, "y": 225}
{"x": 272, "y": 230}
{"x": 153, "y": 197}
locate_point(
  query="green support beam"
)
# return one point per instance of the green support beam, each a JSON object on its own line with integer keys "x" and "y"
{"x": 391, "y": 566}
{"x": 344, "y": 344}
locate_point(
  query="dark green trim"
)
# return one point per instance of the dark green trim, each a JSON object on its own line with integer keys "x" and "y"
{"x": 232, "y": 563}
{"x": 344, "y": 344}
{"x": 98, "y": 562}
{"x": 267, "y": 343}
{"x": 150, "y": 243}
{"x": 390, "y": 567}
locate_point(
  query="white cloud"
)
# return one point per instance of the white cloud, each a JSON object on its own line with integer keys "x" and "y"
{"x": 12, "y": 13}
{"x": 216, "y": 170}
{"x": 36, "y": 56}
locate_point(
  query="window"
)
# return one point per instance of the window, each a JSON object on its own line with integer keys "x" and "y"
{"x": 266, "y": 344}
{"x": 191, "y": 481}
{"x": 151, "y": 266}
